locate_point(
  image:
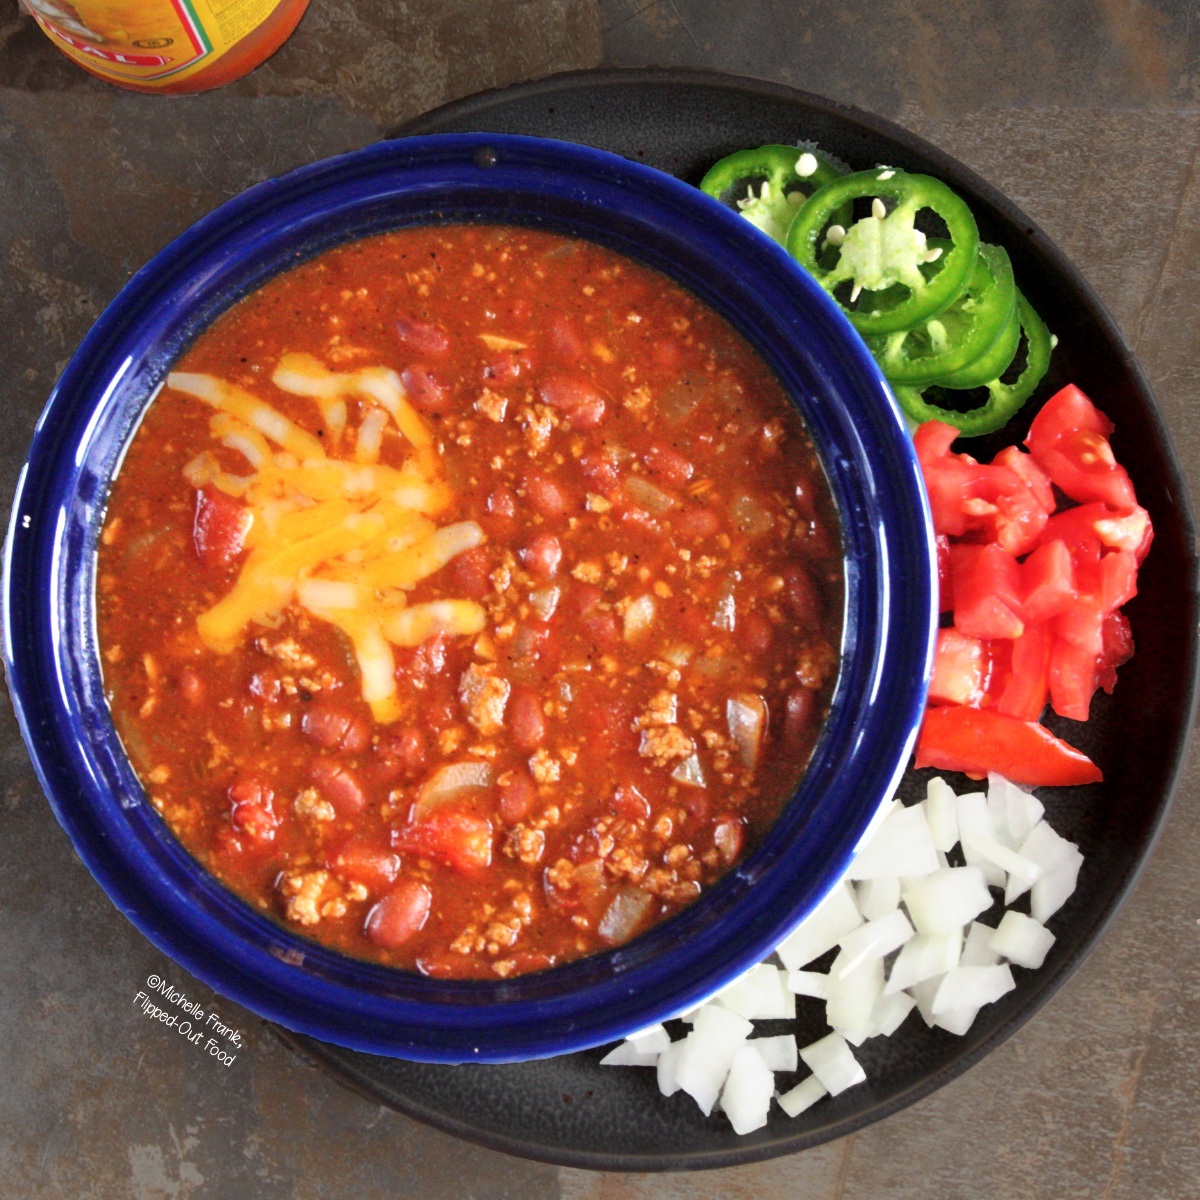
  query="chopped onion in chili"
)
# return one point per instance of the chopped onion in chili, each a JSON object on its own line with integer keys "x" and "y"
{"x": 454, "y": 781}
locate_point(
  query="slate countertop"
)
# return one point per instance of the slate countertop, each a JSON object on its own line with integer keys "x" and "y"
{"x": 1083, "y": 111}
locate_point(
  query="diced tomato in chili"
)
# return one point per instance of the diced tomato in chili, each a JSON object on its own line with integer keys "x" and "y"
{"x": 461, "y": 840}
{"x": 975, "y": 741}
{"x": 219, "y": 527}
{"x": 1069, "y": 439}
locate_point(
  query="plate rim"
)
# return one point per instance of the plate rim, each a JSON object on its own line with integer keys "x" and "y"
{"x": 484, "y": 102}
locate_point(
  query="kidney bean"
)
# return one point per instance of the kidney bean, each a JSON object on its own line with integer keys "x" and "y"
{"x": 799, "y": 710}
{"x": 668, "y": 465}
{"x": 696, "y": 524}
{"x": 546, "y": 496}
{"x": 517, "y": 796}
{"x": 729, "y": 838}
{"x": 423, "y": 389}
{"x": 406, "y": 750}
{"x": 333, "y": 725}
{"x": 191, "y": 686}
{"x": 400, "y": 915}
{"x": 525, "y": 719}
{"x": 422, "y": 338}
{"x": 600, "y": 470}
{"x": 565, "y": 341}
{"x": 252, "y": 813}
{"x": 800, "y": 595}
{"x": 471, "y": 573}
{"x": 366, "y": 864}
{"x": 542, "y": 555}
{"x": 696, "y": 805}
{"x": 577, "y": 398}
{"x": 755, "y": 633}
{"x": 339, "y": 785}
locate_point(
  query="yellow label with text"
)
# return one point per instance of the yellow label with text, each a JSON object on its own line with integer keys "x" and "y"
{"x": 146, "y": 41}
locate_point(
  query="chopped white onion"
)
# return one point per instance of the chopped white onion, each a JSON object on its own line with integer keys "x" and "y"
{"x": 804, "y": 1095}
{"x": 628, "y": 1055}
{"x": 1023, "y": 810}
{"x": 891, "y": 1012}
{"x": 901, "y": 846}
{"x": 454, "y": 781}
{"x": 760, "y": 994}
{"x": 833, "y": 1063}
{"x": 690, "y": 773}
{"x": 924, "y": 957}
{"x": 639, "y": 616}
{"x": 947, "y": 900}
{"x": 941, "y": 811}
{"x": 974, "y": 820}
{"x": 875, "y": 939}
{"x": 852, "y": 997}
{"x": 779, "y": 1053}
{"x": 1054, "y": 888}
{"x": 1022, "y": 940}
{"x": 809, "y": 983}
{"x": 972, "y": 987}
{"x": 708, "y": 1052}
{"x": 877, "y": 897}
{"x": 977, "y": 948}
{"x": 746, "y": 716}
{"x": 1021, "y": 873}
{"x": 836, "y": 916}
{"x": 746, "y": 1096}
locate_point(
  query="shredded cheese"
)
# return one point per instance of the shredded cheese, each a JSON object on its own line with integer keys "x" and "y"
{"x": 342, "y": 537}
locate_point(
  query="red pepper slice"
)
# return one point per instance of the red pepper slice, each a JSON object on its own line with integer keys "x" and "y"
{"x": 978, "y": 740}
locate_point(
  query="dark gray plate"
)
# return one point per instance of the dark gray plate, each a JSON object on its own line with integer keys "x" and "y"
{"x": 573, "y": 1111}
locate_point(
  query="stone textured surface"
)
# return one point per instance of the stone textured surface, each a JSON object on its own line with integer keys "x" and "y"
{"x": 1084, "y": 111}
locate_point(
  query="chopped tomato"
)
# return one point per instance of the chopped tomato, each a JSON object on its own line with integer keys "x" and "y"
{"x": 1074, "y": 674}
{"x": 1025, "y": 467}
{"x": 1069, "y": 439}
{"x": 1095, "y": 527}
{"x": 220, "y": 527}
{"x": 961, "y": 667}
{"x": 955, "y": 737}
{"x": 1024, "y": 687}
{"x": 1117, "y": 649}
{"x": 945, "y": 585}
{"x": 987, "y": 591}
{"x": 459, "y": 839}
{"x": 1047, "y": 582}
{"x": 969, "y": 497}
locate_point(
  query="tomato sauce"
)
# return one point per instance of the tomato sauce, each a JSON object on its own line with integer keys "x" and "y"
{"x": 469, "y": 600}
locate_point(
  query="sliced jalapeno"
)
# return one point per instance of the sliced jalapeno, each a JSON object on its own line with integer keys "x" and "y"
{"x": 1004, "y": 399}
{"x": 881, "y": 256}
{"x": 993, "y": 362}
{"x": 953, "y": 339}
{"x": 785, "y": 177}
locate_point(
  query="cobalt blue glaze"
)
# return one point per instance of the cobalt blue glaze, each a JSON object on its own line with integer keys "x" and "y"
{"x": 52, "y": 664}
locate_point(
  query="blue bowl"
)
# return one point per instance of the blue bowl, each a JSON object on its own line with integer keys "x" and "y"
{"x": 50, "y": 567}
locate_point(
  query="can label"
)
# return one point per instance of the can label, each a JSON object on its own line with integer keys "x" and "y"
{"x": 146, "y": 41}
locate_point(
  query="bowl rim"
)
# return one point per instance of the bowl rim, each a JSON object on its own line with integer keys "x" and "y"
{"x": 49, "y": 636}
